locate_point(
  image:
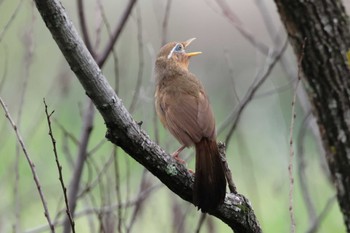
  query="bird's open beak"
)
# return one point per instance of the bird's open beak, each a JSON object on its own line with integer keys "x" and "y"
{"x": 187, "y": 43}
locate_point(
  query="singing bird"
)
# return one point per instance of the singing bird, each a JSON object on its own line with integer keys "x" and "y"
{"x": 184, "y": 109}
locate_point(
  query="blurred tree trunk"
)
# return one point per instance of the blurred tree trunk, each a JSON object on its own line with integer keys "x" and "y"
{"x": 326, "y": 75}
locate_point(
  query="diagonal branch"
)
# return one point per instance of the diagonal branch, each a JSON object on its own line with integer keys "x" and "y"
{"x": 109, "y": 47}
{"x": 123, "y": 131}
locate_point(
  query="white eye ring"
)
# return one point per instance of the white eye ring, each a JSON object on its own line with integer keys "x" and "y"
{"x": 176, "y": 48}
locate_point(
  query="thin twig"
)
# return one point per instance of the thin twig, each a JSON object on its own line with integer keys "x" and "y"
{"x": 27, "y": 40}
{"x": 316, "y": 224}
{"x": 31, "y": 165}
{"x": 83, "y": 26}
{"x": 144, "y": 184}
{"x": 100, "y": 172}
{"x": 228, "y": 173}
{"x": 4, "y": 71}
{"x": 165, "y": 22}
{"x": 59, "y": 167}
{"x": 271, "y": 61}
{"x": 79, "y": 164}
{"x": 103, "y": 57}
{"x": 114, "y": 52}
{"x": 66, "y": 132}
{"x": 291, "y": 149}
{"x": 98, "y": 24}
{"x": 229, "y": 14}
{"x": 178, "y": 215}
{"x": 230, "y": 70}
{"x": 99, "y": 145}
{"x": 9, "y": 22}
{"x": 103, "y": 209}
{"x": 127, "y": 186}
{"x": 200, "y": 222}
{"x": 136, "y": 95}
{"x": 117, "y": 187}
{"x": 308, "y": 200}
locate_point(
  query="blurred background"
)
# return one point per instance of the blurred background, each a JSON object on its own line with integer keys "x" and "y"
{"x": 116, "y": 193}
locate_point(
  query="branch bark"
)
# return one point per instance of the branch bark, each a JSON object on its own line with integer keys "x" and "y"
{"x": 326, "y": 75}
{"x": 123, "y": 131}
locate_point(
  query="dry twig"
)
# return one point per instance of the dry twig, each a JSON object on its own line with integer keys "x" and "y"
{"x": 270, "y": 63}
{"x": 136, "y": 95}
{"x": 59, "y": 167}
{"x": 101, "y": 59}
{"x": 291, "y": 149}
{"x": 31, "y": 164}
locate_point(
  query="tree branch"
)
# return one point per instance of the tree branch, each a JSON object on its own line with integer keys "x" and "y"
{"x": 123, "y": 131}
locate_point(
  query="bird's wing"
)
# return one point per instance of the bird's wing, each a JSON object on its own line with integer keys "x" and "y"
{"x": 205, "y": 116}
{"x": 189, "y": 117}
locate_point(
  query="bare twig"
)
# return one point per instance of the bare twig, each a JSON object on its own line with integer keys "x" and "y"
{"x": 4, "y": 71}
{"x": 114, "y": 52}
{"x": 128, "y": 192}
{"x": 178, "y": 215}
{"x": 277, "y": 38}
{"x": 103, "y": 57}
{"x": 59, "y": 166}
{"x": 9, "y": 22}
{"x": 229, "y": 14}
{"x": 103, "y": 209}
{"x": 117, "y": 188}
{"x": 27, "y": 40}
{"x": 291, "y": 148}
{"x": 165, "y": 22}
{"x": 100, "y": 172}
{"x": 79, "y": 164}
{"x": 98, "y": 24}
{"x": 228, "y": 172}
{"x": 200, "y": 222}
{"x": 316, "y": 224}
{"x": 31, "y": 164}
{"x": 66, "y": 132}
{"x": 83, "y": 26}
{"x": 156, "y": 126}
{"x": 144, "y": 184}
{"x": 310, "y": 207}
{"x": 230, "y": 69}
{"x": 136, "y": 95}
{"x": 260, "y": 79}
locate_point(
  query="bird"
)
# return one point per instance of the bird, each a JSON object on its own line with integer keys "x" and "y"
{"x": 183, "y": 107}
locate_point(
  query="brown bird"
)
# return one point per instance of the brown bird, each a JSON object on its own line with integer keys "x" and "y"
{"x": 183, "y": 107}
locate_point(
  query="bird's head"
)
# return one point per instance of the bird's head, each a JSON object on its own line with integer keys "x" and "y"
{"x": 174, "y": 53}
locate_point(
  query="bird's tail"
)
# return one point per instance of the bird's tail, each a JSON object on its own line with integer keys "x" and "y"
{"x": 210, "y": 184}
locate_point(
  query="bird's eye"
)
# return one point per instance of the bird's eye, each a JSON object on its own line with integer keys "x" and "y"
{"x": 178, "y": 48}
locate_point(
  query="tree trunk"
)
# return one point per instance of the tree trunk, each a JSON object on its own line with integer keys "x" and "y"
{"x": 325, "y": 26}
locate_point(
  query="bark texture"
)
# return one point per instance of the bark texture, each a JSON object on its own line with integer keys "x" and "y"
{"x": 124, "y": 131}
{"x": 326, "y": 75}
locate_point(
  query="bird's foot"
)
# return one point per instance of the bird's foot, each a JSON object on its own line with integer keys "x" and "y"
{"x": 175, "y": 155}
{"x": 177, "y": 158}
